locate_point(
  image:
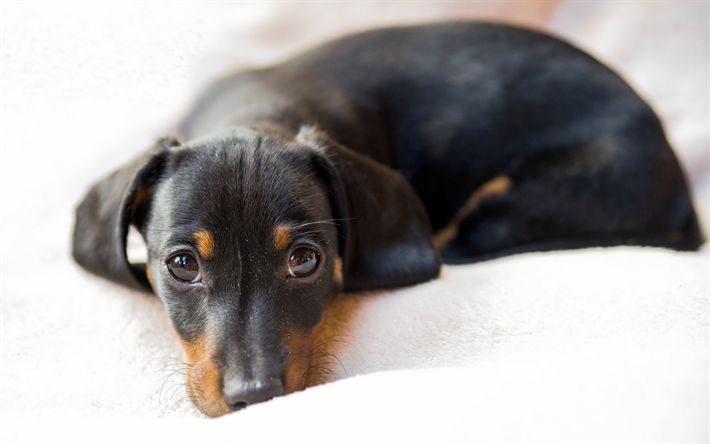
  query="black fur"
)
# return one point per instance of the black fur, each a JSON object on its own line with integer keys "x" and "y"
{"x": 366, "y": 145}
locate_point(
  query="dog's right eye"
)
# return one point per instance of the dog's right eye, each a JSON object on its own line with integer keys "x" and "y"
{"x": 303, "y": 261}
{"x": 184, "y": 267}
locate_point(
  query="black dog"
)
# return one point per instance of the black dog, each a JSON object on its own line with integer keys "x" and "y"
{"x": 333, "y": 170}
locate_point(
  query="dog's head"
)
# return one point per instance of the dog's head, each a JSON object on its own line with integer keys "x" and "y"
{"x": 247, "y": 235}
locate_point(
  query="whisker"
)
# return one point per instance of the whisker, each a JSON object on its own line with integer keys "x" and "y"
{"x": 172, "y": 373}
{"x": 174, "y": 387}
{"x": 303, "y": 233}
{"x": 167, "y": 369}
{"x": 179, "y": 361}
{"x": 328, "y": 340}
{"x": 175, "y": 391}
{"x": 324, "y": 221}
{"x": 179, "y": 401}
{"x": 324, "y": 364}
{"x": 316, "y": 356}
{"x": 322, "y": 372}
{"x": 321, "y": 354}
{"x": 165, "y": 380}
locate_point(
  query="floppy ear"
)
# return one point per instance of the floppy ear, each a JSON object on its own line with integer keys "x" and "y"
{"x": 387, "y": 235}
{"x": 103, "y": 217}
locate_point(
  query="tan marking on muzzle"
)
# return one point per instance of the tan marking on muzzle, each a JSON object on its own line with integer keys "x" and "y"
{"x": 203, "y": 378}
{"x": 298, "y": 344}
{"x": 282, "y": 236}
{"x": 309, "y": 361}
{"x": 204, "y": 243}
{"x": 333, "y": 336}
{"x": 497, "y": 185}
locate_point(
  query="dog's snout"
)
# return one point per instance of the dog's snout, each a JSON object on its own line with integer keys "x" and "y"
{"x": 238, "y": 393}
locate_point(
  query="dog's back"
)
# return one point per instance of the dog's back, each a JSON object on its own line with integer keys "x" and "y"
{"x": 513, "y": 140}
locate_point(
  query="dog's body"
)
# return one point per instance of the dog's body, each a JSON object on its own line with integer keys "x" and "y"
{"x": 335, "y": 168}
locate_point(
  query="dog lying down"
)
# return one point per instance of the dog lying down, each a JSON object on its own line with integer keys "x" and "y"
{"x": 361, "y": 165}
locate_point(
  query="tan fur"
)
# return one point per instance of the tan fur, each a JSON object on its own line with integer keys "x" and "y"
{"x": 298, "y": 344}
{"x": 204, "y": 242}
{"x": 203, "y": 378}
{"x": 148, "y": 273}
{"x": 338, "y": 269}
{"x": 498, "y": 185}
{"x": 282, "y": 237}
{"x": 331, "y": 337}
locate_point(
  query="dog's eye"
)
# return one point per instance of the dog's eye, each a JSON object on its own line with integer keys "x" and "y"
{"x": 303, "y": 261}
{"x": 184, "y": 267}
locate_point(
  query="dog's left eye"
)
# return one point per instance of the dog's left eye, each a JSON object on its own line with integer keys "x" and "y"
{"x": 302, "y": 262}
{"x": 184, "y": 267}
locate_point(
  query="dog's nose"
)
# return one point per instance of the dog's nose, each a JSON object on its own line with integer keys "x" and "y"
{"x": 238, "y": 393}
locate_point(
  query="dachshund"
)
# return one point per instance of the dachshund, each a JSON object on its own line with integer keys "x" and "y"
{"x": 364, "y": 164}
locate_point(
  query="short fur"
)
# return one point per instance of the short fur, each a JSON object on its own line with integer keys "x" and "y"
{"x": 498, "y": 139}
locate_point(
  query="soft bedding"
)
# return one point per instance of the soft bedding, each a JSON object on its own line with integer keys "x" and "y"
{"x": 603, "y": 344}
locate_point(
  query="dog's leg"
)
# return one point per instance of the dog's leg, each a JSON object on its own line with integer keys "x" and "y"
{"x": 598, "y": 194}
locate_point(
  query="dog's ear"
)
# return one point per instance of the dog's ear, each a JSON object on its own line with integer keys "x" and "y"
{"x": 103, "y": 218}
{"x": 385, "y": 232}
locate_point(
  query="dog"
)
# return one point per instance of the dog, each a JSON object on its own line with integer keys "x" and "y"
{"x": 363, "y": 164}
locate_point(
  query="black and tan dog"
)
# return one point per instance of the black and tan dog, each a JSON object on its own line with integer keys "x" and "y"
{"x": 330, "y": 172}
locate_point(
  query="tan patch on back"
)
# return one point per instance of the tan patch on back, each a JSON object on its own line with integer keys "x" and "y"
{"x": 282, "y": 237}
{"x": 497, "y": 185}
{"x": 204, "y": 242}
{"x": 202, "y": 377}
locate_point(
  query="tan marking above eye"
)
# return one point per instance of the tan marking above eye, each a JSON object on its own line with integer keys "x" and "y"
{"x": 148, "y": 273}
{"x": 337, "y": 275}
{"x": 204, "y": 242}
{"x": 338, "y": 268}
{"x": 497, "y": 185}
{"x": 282, "y": 236}
{"x": 295, "y": 373}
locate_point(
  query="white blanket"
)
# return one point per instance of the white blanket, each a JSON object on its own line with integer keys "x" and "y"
{"x": 590, "y": 345}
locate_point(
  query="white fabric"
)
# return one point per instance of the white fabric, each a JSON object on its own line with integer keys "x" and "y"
{"x": 589, "y": 345}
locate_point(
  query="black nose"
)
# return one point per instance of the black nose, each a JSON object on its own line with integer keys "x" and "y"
{"x": 238, "y": 393}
